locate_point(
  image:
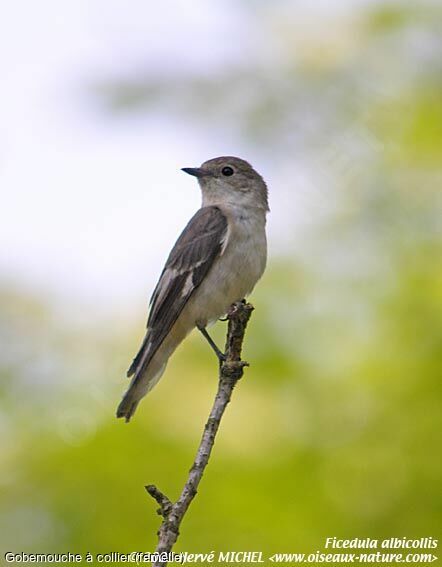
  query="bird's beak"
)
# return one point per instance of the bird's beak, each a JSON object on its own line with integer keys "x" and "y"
{"x": 196, "y": 171}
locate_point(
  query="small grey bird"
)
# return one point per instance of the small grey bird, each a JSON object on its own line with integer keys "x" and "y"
{"x": 217, "y": 260}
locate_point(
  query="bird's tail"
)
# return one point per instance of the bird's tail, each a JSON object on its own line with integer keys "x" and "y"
{"x": 146, "y": 369}
{"x": 143, "y": 381}
{"x": 128, "y": 405}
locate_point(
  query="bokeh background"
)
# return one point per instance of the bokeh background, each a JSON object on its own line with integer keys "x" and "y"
{"x": 336, "y": 428}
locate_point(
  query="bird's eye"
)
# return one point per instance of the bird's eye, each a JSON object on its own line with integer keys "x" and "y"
{"x": 227, "y": 171}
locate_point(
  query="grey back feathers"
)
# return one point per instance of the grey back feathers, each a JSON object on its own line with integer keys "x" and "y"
{"x": 186, "y": 267}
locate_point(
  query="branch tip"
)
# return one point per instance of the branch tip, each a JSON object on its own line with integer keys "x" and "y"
{"x": 161, "y": 499}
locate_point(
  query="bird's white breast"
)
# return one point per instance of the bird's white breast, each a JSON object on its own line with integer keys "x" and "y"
{"x": 240, "y": 265}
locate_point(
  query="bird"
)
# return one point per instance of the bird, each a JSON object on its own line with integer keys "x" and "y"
{"x": 217, "y": 260}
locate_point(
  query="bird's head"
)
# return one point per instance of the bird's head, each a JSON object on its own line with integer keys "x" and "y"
{"x": 230, "y": 180}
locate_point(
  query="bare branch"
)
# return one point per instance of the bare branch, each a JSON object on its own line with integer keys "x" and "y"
{"x": 231, "y": 370}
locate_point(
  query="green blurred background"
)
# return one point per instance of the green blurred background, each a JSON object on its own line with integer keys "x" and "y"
{"x": 336, "y": 428}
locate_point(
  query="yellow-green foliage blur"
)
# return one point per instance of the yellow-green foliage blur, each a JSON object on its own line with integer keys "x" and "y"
{"x": 336, "y": 428}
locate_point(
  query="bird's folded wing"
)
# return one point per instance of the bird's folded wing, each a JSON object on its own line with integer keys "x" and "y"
{"x": 190, "y": 260}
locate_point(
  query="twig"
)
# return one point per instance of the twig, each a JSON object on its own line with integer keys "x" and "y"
{"x": 231, "y": 370}
{"x": 163, "y": 501}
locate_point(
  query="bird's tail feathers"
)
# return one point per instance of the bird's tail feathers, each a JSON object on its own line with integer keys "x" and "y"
{"x": 143, "y": 381}
{"x": 127, "y": 406}
{"x": 142, "y": 353}
{"x": 146, "y": 369}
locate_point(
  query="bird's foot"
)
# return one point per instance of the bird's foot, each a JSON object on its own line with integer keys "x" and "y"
{"x": 233, "y": 309}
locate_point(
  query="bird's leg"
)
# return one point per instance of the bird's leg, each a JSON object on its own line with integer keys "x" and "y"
{"x": 216, "y": 350}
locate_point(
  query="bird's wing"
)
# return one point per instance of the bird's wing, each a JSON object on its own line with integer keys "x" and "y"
{"x": 187, "y": 265}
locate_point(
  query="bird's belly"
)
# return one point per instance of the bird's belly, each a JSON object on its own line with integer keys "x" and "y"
{"x": 231, "y": 278}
